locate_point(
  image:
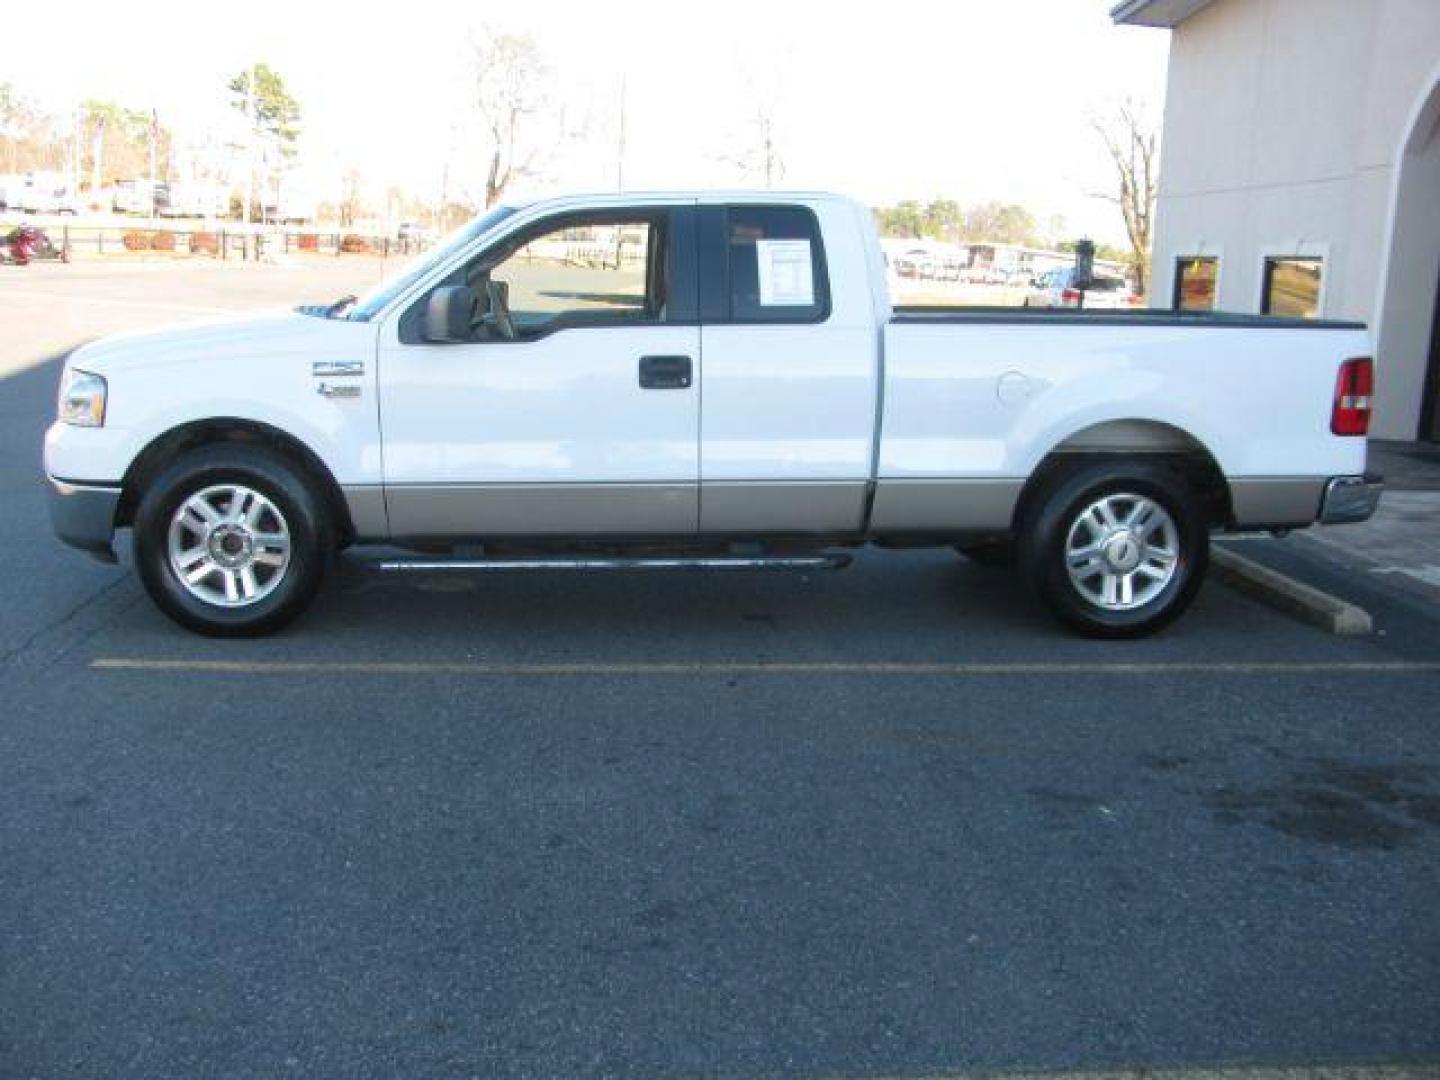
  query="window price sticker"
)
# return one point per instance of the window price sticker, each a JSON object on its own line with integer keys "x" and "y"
{"x": 786, "y": 279}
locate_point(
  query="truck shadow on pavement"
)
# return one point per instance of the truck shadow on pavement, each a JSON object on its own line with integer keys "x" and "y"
{"x": 892, "y": 605}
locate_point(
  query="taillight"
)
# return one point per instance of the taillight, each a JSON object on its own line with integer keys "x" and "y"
{"x": 1070, "y": 296}
{"x": 1354, "y": 395}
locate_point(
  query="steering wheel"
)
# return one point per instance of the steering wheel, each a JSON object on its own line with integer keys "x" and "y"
{"x": 500, "y": 310}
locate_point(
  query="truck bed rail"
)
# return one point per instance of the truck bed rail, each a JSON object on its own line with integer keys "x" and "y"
{"x": 1215, "y": 320}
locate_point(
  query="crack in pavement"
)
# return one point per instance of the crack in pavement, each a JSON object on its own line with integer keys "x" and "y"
{"x": 55, "y": 639}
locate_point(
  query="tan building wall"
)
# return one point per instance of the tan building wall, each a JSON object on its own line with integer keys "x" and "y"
{"x": 1308, "y": 127}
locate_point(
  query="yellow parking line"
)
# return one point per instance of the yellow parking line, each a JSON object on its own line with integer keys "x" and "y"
{"x": 1317, "y": 1071}
{"x": 756, "y": 667}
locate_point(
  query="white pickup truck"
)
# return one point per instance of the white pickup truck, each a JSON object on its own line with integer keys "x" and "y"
{"x": 713, "y": 380}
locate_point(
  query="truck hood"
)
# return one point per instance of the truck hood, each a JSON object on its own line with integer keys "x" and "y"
{"x": 271, "y": 334}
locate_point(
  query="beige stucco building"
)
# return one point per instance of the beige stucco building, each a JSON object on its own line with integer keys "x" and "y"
{"x": 1301, "y": 174}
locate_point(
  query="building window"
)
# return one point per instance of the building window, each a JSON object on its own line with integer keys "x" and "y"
{"x": 1196, "y": 278}
{"x": 1292, "y": 286}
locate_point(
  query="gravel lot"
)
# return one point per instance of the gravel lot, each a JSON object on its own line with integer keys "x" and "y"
{"x": 888, "y": 822}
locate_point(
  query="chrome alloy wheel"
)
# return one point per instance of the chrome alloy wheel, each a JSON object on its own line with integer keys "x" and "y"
{"x": 1121, "y": 551}
{"x": 229, "y": 545}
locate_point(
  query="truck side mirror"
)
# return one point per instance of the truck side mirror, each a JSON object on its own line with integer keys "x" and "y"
{"x": 450, "y": 315}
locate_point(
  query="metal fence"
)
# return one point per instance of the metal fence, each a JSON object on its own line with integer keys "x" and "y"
{"x": 226, "y": 243}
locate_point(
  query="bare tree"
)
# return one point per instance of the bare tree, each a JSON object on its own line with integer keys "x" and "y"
{"x": 1132, "y": 144}
{"x": 352, "y": 200}
{"x": 767, "y": 149}
{"x": 760, "y": 157}
{"x": 510, "y": 92}
{"x": 13, "y": 121}
{"x": 755, "y": 145}
{"x": 760, "y": 161}
{"x": 28, "y": 137}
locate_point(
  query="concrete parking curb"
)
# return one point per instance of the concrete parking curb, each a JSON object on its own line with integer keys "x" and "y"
{"x": 1293, "y": 597}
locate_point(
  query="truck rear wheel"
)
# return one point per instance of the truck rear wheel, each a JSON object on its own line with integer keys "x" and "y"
{"x": 231, "y": 541}
{"x": 1116, "y": 550}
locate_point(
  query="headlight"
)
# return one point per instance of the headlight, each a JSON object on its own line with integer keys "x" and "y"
{"x": 82, "y": 399}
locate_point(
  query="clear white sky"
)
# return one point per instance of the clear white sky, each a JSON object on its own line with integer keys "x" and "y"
{"x": 967, "y": 99}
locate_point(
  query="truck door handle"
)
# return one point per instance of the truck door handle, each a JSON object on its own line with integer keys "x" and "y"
{"x": 665, "y": 372}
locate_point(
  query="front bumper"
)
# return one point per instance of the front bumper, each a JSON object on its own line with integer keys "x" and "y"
{"x": 83, "y": 516}
{"x": 1349, "y": 499}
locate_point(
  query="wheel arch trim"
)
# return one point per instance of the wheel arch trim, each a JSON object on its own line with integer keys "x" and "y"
{"x": 1137, "y": 438}
{"x": 212, "y": 431}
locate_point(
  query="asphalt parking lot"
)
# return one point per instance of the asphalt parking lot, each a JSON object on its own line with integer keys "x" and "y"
{"x": 885, "y": 822}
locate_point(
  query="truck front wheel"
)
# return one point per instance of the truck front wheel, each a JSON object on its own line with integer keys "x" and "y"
{"x": 1116, "y": 550}
{"x": 231, "y": 541}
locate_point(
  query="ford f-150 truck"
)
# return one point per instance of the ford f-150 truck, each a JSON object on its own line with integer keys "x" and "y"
{"x": 713, "y": 380}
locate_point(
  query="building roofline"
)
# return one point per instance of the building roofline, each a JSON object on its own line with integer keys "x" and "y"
{"x": 1161, "y": 13}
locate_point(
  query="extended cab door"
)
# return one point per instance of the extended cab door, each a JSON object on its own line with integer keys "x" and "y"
{"x": 574, "y": 411}
{"x": 789, "y": 334}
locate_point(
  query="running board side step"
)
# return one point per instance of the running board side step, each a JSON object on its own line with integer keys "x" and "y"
{"x": 714, "y": 562}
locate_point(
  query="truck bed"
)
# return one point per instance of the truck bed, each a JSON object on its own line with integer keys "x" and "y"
{"x": 991, "y": 391}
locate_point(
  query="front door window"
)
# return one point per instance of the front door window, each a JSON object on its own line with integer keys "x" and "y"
{"x": 585, "y": 273}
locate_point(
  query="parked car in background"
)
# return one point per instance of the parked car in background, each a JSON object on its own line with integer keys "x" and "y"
{"x": 924, "y": 260}
{"x": 197, "y": 200}
{"x": 415, "y": 237}
{"x": 988, "y": 275}
{"x": 141, "y": 197}
{"x": 46, "y": 193}
{"x": 292, "y": 208}
{"x": 1056, "y": 289}
{"x": 912, "y": 264}
{"x": 39, "y": 193}
{"x": 11, "y": 189}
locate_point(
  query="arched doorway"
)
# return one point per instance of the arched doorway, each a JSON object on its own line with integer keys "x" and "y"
{"x": 1408, "y": 395}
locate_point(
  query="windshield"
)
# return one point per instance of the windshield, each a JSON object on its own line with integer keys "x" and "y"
{"x": 369, "y": 305}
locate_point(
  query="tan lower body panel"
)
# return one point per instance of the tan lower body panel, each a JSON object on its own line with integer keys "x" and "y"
{"x": 961, "y": 506}
{"x": 541, "y": 510}
{"x": 981, "y": 505}
{"x": 641, "y": 510}
{"x": 726, "y": 508}
{"x": 366, "y": 503}
{"x": 743, "y": 508}
{"x": 755, "y": 508}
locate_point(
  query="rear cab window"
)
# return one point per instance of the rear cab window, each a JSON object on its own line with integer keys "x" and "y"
{"x": 771, "y": 265}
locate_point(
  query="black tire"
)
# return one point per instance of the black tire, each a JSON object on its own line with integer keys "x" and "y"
{"x": 994, "y": 554}
{"x": 272, "y": 476}
{"x": 1053, "y": 514}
